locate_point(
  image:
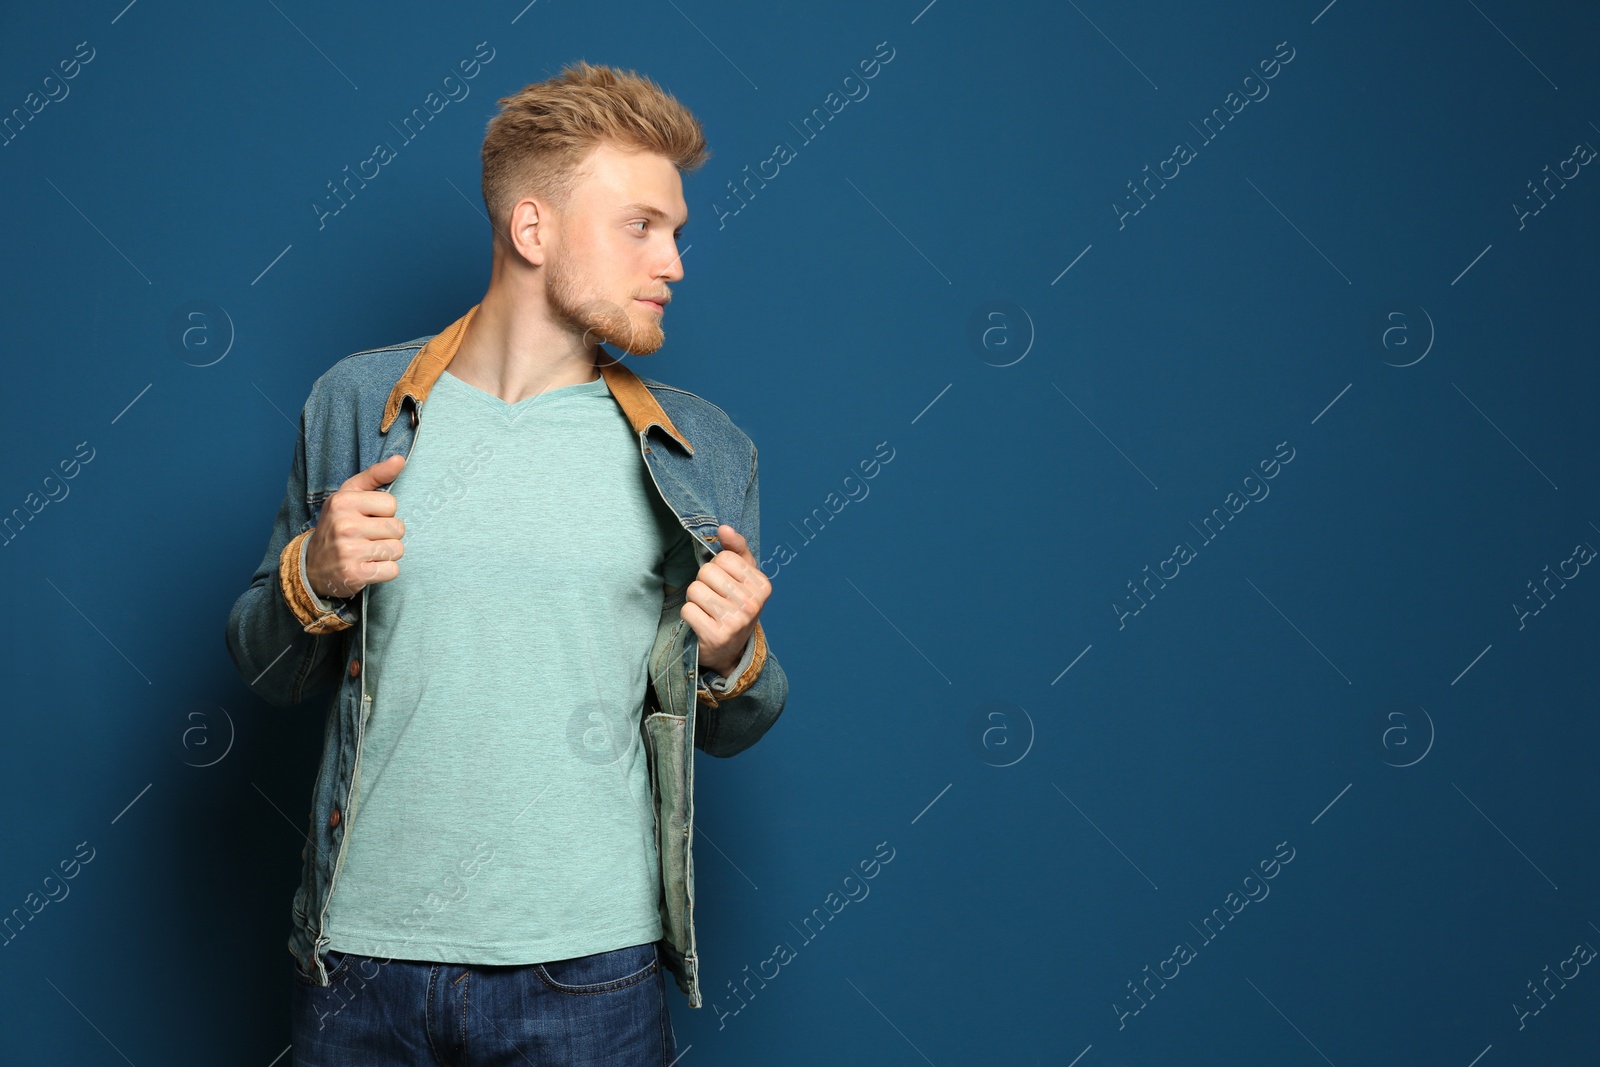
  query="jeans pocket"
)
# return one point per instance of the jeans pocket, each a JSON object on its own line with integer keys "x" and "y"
{"x": 335, "y": 961}
{"x": 600, "y": 972}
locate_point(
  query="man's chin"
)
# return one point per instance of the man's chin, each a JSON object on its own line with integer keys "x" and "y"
{"x": 636, "y": 341}
{"x": 634, "y": 348}
{"x": 636, "y": 333}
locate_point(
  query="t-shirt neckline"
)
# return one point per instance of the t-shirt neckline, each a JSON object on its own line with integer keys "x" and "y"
{"x": 596, "y": 386}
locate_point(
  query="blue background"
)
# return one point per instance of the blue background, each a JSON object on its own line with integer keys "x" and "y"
{"x": 1068, "y": 791}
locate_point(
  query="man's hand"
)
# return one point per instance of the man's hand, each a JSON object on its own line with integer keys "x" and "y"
{"x": 357, "y": 538}
{"x": 724, "y": 601}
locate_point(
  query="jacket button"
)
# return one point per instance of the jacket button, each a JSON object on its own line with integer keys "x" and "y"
{"x": 355, "y": 667}
{"x": 333, "y": 820}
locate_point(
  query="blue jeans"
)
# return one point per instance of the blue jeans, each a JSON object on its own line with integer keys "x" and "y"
{"x": 609, "y": 1008}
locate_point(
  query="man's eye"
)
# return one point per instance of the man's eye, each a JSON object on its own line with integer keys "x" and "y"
{"x": 639, "y": 222}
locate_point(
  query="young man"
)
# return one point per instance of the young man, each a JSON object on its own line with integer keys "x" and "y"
{"x": 534, "y": 612}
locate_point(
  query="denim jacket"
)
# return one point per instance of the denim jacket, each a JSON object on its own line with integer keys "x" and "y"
{"x": 287, "y": 644}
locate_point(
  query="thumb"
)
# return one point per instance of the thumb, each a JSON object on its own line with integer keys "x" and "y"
{"x": 379, "y": 474}
{"x": 735, "y": 540}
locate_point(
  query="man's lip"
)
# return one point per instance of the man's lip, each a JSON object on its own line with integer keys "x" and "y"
{"x": 657, "y": 303}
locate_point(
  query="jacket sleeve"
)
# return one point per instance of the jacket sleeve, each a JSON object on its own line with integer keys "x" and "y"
{"x": 727, "y": 725}
{"x": 282, "y": 649}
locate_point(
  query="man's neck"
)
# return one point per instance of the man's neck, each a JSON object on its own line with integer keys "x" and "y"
{"x": 514, "y": 351}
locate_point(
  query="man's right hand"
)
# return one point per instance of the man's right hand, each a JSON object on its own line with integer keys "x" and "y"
{"x": 357, "y": 539}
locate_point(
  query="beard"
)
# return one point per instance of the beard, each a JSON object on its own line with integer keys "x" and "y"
{"x": 573, "y": 301}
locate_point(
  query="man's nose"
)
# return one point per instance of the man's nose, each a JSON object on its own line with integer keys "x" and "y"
{"x": 672, "y": 269}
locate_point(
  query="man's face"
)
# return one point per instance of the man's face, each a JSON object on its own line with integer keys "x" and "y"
{"x": 618, "y": 249}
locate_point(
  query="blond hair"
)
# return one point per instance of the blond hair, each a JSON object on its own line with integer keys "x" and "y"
{"x": 542, "y": 133}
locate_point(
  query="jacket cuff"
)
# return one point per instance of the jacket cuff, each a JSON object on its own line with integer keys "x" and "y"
{"x": 755, "y": 656}
{"x": 316, "y": 615}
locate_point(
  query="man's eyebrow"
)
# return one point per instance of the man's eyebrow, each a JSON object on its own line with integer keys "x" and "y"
{"x": 641, "y": 208}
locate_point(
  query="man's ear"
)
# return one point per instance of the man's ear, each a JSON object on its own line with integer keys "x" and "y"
{"x": 529, "y": 230}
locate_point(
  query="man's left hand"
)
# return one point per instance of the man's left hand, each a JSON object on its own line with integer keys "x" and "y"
{"x": 725, "y": 600}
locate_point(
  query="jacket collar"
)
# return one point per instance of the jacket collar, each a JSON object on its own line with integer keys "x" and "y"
{"x": 634, "y": 397}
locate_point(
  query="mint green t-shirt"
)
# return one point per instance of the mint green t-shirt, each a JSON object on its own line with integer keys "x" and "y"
{"x": 502, "y": 807}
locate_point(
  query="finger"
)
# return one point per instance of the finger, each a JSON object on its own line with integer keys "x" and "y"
{"x": 735, "y": 540}
{"x": 360, "y": 502}
{"x": 362, "y": 528}
{"x": 707, "y": 628}
{"x": 378, "y": 474}
{"x": 713, "y": 634}
{"x": 366, "y": 502}
{"x": 384, "y": 551}
{"x": 712, "y": 603}
{"x": 713, "y": 574}
{"x": 380, "y": 553}
{"x": 373, "y": 571}
{"x": 377, "y": 528}
{"x": 738, "y": 583}
{"x": 379, "y": 563}
{"x": 364, "y": 573}
{"x": 704, "y": 626}
{"x": 737, "y": 564}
